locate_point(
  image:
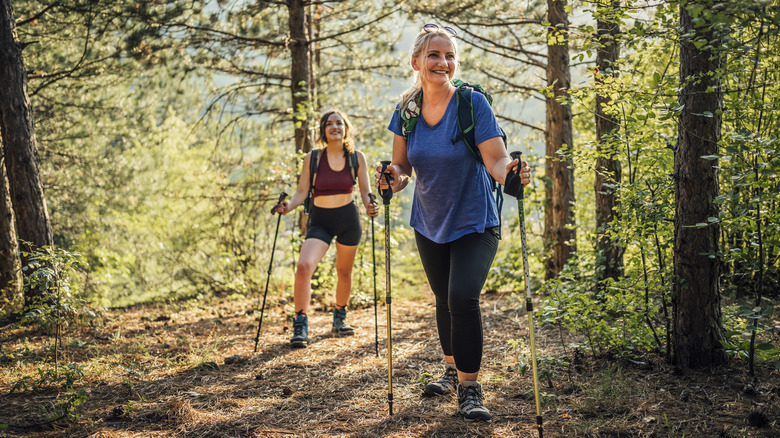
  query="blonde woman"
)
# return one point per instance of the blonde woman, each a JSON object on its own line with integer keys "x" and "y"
{"x": 453, "y": 213}
{"x": 333, "y": 214}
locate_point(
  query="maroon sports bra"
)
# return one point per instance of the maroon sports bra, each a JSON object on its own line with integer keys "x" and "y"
{"x": 329, "y": 182}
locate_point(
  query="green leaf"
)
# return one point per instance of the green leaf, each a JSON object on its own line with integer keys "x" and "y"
{"x": 765, "y": 347}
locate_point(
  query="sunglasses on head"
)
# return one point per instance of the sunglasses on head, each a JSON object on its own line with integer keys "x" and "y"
{"x": 431, "y": 26}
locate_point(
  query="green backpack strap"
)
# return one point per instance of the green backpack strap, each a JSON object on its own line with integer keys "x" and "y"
{"x": 409, "y": 114}
{"x": 464, "y": 104}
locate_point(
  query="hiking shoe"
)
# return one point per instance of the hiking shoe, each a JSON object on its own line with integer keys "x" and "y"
{"x": 340, "y": 325}
{"x": 470, "y": 405}
{"x": 445, "y": 385}
{"x": 300, "y": 337}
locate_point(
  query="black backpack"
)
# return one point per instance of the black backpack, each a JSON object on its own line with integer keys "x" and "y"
{"x": 314, "y": 165}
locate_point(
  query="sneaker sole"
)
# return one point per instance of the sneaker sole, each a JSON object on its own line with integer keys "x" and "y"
{"x": 301, "y": 344}
{"x": 433, "y": 393}
{"x": 343, "y": 332}
{"x": 472, "y": 420}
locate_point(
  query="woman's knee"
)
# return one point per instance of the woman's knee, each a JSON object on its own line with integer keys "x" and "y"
{"x": 344, "y": 272}
{"x": 463, "y": 305}
{"x": 305, "y": 268}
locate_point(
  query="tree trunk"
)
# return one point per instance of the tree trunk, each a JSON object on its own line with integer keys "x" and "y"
{"x": 697, "y": 322}
{"x": 300, "y": 74}
{"x": 559, "y": 233}
{"x": 301, "y": 82}
{"x": 609, "y": 252}
{"x": 18, "y": 135}
{"x": 10, "y": 268}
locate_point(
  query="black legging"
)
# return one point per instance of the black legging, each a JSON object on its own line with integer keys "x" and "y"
{"x": 456, "y": 272}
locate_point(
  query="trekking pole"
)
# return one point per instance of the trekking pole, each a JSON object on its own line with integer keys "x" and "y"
{"x": 529, "y": 306}
{"x": 387, "y": 195}
{"x": 372, "y": 197}
{"x": 270, "y": 264}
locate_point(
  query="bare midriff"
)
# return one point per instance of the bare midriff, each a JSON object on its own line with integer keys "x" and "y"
{"x": 333, "y": 201}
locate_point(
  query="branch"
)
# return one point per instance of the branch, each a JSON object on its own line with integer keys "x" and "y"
{"x": 348, "y": 31}
{"x": 520, "y": 122}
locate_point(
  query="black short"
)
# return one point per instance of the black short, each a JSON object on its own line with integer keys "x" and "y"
{"x": 342, "y": 222}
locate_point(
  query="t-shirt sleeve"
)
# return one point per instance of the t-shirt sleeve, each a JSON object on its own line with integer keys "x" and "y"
{"x": 485, "y": 120}
{"x": 395, "y": 122}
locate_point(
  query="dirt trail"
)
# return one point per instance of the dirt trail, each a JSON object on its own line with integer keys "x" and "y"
{"x": 192, "y": 373}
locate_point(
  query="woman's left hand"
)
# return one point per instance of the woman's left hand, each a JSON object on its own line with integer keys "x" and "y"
{"x": 372, "y": 209}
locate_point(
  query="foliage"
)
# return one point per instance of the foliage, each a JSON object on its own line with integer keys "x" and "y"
{"x": 59, "y": 301}
{"x": 549, "y": 367}
{"x": 742, "y": 324}
{"x": 643, "y": 89}
{"x": 66, "y": 377}
{"x": 612, "y": 322}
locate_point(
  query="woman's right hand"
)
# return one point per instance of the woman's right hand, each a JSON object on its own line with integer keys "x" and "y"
{"x": 280, "y": 208}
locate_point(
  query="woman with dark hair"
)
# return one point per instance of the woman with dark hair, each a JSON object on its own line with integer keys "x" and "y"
{"x": 454, "y": 216}
{"x": 333, "y": 214}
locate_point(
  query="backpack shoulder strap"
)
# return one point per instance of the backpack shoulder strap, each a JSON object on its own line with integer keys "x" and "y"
{"x": 466, "y": 124}
{"x": 314, "y": 164}
{"x": 353, "y": 164}
{"x": 409, "y": 114}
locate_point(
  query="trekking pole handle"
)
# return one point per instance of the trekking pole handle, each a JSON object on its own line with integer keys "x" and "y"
{"x": 513, "y": 186}
{"x": 372, "y": 198}
{"x": 281, "y": 199}
{"x": 386, "y": 195}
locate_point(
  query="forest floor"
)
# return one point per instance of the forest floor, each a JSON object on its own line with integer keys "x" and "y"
{"x": 189, "y": 370}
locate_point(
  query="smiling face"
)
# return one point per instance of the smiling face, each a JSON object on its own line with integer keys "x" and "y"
{"x": 438, "y": 63}
{"x": 334, "y": 128}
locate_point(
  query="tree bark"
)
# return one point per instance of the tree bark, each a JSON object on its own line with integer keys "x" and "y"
{"x": 697, "y": 321}
{"x": 18, "y": 135}
{"x": 559, "y": 233}
{"x": 300, "y": 74}
{"x": 609, "y": 251}
{"x": 10, "y": 267}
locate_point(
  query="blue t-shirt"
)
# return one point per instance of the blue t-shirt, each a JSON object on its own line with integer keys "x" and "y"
{"x": 453, "y": 191}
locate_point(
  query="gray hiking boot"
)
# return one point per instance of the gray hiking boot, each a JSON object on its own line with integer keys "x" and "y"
{"x": 340, "y": 325}
{"x": 300, "y": 337}
{"x": 470, "y": 405}
{"x": 445, "y": 385}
